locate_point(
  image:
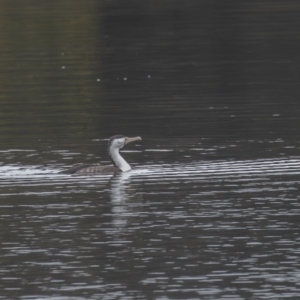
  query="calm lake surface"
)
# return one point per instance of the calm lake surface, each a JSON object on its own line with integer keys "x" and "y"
{"x": 211, "y": 207}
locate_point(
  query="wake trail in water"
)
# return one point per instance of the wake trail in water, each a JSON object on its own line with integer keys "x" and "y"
{"x": 259, "y": 167}
{"x": 284, "y": 166}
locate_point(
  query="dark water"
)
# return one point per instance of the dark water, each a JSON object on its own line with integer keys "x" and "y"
{"x": 211, "y": 208}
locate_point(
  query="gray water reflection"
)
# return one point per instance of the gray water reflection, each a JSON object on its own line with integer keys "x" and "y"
{"x": 211, "y": 229}
{"x": 119, "y": 199}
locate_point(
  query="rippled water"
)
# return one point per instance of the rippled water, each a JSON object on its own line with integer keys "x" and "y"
{"x": 211, "y": 207}
{"x": 208, "y": 229}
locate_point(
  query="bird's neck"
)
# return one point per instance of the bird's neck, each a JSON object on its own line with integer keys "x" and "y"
{"x": 119, "y": 161}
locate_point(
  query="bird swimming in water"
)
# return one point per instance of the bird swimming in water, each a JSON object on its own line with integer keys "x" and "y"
{"x": 115, "y": 143}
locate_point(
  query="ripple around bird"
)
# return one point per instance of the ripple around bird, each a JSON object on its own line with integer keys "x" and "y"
{"x": 188, "y": 229}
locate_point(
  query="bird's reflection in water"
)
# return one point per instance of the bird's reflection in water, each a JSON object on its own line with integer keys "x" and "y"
{"x": 119, "y": 196}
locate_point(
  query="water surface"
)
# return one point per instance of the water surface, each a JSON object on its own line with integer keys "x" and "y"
{"x": 210, "y": 209}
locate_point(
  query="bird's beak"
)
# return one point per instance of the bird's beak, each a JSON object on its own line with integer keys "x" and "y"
{"x": 132, "y": 139}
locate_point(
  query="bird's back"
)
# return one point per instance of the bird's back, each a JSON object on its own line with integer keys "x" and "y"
{"x": 90, "y": 169}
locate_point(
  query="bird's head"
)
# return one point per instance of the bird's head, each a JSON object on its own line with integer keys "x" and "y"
{"x": 119, "y": 141}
